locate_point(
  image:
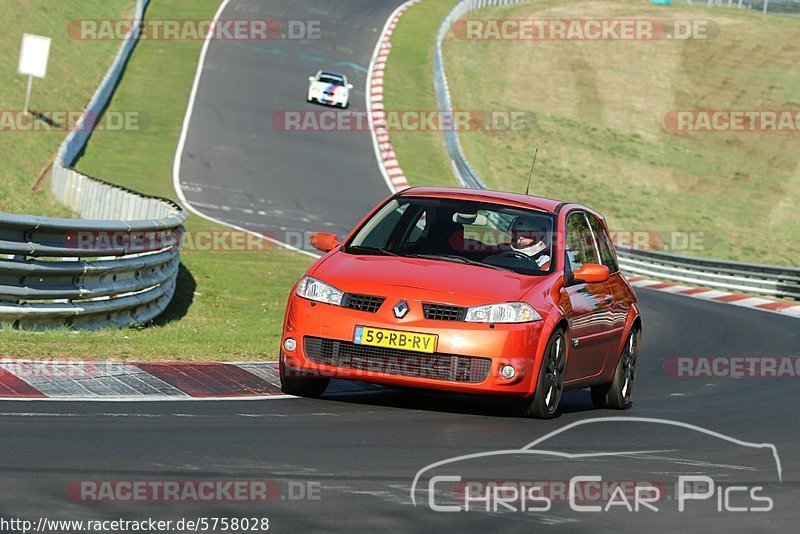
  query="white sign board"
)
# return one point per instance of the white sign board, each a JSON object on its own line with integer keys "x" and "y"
{"x": 33, "y": 55}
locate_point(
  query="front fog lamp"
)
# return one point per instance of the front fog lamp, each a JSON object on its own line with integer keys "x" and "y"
{"x": 509, "y": 312}
{"x": 508, "y": 372}
{"x": 317, "y": 290}
{"x": 289, "y": 344}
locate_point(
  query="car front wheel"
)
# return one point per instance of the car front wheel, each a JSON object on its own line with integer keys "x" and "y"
{"x": 550, "y": 384}
{"x": 617, "y": 394}
{"x": 300, "y": 385}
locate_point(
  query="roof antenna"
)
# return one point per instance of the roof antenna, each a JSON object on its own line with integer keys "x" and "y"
{"x": 531, "y": 174}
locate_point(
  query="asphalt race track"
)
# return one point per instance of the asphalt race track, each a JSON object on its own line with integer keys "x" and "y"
{"x": 361, "y": 451}
{"x": 364, "y": 449}
{"x": 238, "y": 165}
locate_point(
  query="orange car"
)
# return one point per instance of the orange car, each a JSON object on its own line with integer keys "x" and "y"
{"x": 468, "y": 291}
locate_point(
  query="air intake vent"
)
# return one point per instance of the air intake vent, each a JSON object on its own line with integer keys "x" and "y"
{"x": 443, "y": 312}
{"x": 446, "y": 367}
{"x": 367, "y": 303}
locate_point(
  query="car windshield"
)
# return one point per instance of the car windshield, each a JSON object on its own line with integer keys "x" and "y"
{"x": 324, "y": 78}
{"x": 475, "y": 233}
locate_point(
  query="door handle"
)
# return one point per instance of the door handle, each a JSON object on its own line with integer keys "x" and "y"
{"x": 608, "y": 298}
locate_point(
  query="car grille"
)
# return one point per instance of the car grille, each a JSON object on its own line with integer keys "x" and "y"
{"x": 443, "y": 312}
{"x": 446, "y": 367}
{"x": 367, "y": 303}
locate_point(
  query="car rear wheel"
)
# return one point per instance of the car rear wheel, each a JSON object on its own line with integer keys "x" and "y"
{"x": 296, "y": 383}
{"x": 550, "y": 384}
{"x": 617, "y": 394}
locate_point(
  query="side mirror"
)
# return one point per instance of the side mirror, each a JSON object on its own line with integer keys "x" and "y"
{"x": 326, "y": 242}
{"x": 310, "y": 78}
{"x": 590, "y": 273}
{"x": 349, "y": 85}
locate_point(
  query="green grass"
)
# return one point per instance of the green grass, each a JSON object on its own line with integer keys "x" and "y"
{"x": 229, "y": 305}
{"x": 408, "y": 85}
{"x": 24, "y": 155}
{"x": 598, "y": 110}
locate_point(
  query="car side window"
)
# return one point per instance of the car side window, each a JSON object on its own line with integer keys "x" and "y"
{"x": 607, "y": 255}
{"x": 581, "y": 247}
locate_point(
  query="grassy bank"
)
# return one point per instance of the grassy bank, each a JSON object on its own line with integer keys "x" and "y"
{"x": 600, "y": 111}
{"x": 229, "y": 305}
{"x": 597, "y": 110}
{"x": 408, "y": 85}
{"x": 25, "y": 154}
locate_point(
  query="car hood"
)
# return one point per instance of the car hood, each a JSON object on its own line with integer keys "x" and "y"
{"x": 465, "y": 284}
{"x": 322, "y": 86}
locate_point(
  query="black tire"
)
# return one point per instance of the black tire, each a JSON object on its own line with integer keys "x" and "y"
{"x": 617, "y": 394}
{"x": 550, "y": 384}
{"x": 302, "y": 386}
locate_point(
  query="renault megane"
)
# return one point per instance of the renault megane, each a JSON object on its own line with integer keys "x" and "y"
{"x": 467, "y": 291}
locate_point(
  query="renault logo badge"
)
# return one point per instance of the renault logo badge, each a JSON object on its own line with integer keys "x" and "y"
{"x": 400, "y": 309}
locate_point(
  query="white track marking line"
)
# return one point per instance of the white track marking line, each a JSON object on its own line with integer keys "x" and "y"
{"x": 793, "y": 311}
{"x": 711, "y": 294}
{"x": 750, "y": 302}
{"x": 676, "y": 289}
{"x": 644, "y": 283}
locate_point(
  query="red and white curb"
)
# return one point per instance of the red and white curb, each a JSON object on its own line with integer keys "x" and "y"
{"x": 97, "y": 381}
{"x": 737, "y": 299}
{"x": 376, "y": 112}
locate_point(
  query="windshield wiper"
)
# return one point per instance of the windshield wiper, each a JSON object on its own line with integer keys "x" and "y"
{"x": 460, "y": 259}
{"x": 371, "y": 250}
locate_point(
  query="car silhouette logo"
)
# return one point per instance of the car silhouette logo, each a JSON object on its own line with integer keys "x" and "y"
{"x": 400, "y": 309}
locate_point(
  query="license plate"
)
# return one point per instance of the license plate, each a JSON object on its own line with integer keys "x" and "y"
{"x": 393, "y": 339}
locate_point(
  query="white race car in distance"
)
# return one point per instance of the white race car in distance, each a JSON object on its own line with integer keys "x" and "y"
{"x": 329, "y": 88}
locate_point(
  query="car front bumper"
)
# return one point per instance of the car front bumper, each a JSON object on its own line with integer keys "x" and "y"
{"x": 325, "y": 100}
{"x": 467, "y": 358}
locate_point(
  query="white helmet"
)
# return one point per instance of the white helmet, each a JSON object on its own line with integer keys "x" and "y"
{"x": 529, "y": 234}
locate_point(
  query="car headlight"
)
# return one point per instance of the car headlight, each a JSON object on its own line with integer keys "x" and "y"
{"x": 313, "y": 289}
{"x": 508, "y": 312}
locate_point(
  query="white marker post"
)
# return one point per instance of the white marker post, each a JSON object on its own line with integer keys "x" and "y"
{"x": 33, "y": 58}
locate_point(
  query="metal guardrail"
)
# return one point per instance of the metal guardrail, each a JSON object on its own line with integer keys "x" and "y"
{"x": 774, "y": 281}
{"x": 116, "y": 266}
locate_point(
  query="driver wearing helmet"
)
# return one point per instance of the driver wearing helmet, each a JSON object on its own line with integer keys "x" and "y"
{"x": 529, "y": 237}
